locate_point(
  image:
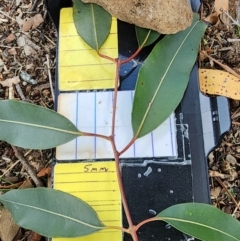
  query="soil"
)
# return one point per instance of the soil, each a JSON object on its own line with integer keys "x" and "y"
{"x": 224, "y": 171}
{"x": 32, "y": 54}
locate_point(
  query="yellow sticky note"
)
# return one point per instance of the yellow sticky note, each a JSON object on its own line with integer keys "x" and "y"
{"x": 95, "y": 183}
{"x": 79, "y": 66}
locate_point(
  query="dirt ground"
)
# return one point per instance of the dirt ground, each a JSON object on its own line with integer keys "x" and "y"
{"x": 224, "y": 173}
{"x": 28, "y": 49}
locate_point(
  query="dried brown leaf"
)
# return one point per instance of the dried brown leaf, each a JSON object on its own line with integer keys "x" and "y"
{"x": 218, "y": 82}
{"x": 9, "y": 82}
{"x": 37, "y": 20}
{"x": 32, "y": 23}
{"x": 11, "y": 37}
{"x": 45, "y": 171}
{"x": 212, "y": 18}
{"x": 12, "y": 51}
{"x": 34, "y": 237}
{"x": 8, "y": 228}
{"x": 26, "y": 184}
{"x": 27, "y": 25}
{"x": 220, "y": 4}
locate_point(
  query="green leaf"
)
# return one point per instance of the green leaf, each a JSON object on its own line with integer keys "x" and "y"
{"x": 202, "y": 221}
{"x": 34, "y": 127}
{"x": 92, "y": 22}
{"x": 51, "y": 213}
{"x": 163, "y": 78}
{"x": 145, "y": 36}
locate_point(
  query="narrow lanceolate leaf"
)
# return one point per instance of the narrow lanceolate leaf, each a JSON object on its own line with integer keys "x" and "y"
{"x": 202, "y": 221}
{"x": 51, "y": 213}
{"x": 163, "y": 78}
{"x": 34, "y": 127}
{"x": 218, "y": 82}
{"x": 92, "y": 22}
{"x": 145, "y": 36}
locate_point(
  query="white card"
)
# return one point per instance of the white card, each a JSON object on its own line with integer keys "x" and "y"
{"x": 92, "y": 112}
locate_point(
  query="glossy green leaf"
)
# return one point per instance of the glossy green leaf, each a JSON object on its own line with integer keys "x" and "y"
{"x": 34, "y": 127}
{"x": 202, "y": 221}
{"x": 145, "y": 36}
{"x": 51, "y": 213}
{"x": 163, "y": 78}
{"x": 92, "y": 22}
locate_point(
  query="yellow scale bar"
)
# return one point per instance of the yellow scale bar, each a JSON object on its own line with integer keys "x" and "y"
{"x": 79, "y": 66}
{"x": 95, "y": 183}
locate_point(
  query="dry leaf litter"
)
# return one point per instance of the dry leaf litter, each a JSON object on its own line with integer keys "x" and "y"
{"x": 221, "y": 42}
{"x": 27, "y": 63}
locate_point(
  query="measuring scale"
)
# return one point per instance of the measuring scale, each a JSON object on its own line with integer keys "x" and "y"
{"x": 165, "y": 167}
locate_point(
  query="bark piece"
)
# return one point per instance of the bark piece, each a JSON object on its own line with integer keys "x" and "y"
{"x": 163, "y": 16}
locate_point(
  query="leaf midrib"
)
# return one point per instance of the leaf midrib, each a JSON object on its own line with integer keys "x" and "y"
{"x": 41, "y": 126}
{"x": 197, "y": 224}
{"x": 54, "y": 213}
{"x": 94, "y": 26}
{"x": 161, "y": 81}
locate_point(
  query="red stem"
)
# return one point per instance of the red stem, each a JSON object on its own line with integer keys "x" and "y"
{"x": 131, "y": 57}
{"x": 95, "y": 135}
{"x": 116, "y": 156}
{"x": 118, "y": 64}
{"x": 118, "y": 228}
{"x": 128, "y": 145}
{"x": 146, "y": 221}
{"x": 106, "y": 57}
{"x": 131, "y": 229}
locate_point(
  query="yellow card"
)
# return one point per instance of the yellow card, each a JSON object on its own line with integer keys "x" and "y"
{"x": 95, "y": 183}
{"x": 79, "y": 66}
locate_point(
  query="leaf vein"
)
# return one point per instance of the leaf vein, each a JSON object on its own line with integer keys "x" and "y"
{"x": 199, "y": 224}
{"x": 57, "y": 214}
{"x": 161, "y": 81}
{"x": 41, "y": 126}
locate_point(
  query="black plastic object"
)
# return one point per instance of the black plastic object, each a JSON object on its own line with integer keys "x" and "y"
{"x": 152, "y": 185}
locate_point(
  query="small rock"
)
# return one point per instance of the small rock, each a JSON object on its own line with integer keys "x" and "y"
{"x": 163, "y": 16}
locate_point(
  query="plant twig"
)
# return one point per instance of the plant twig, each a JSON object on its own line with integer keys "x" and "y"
{"x": 118, "y": 64}
{"x": 50, "y": 77}
{"x": 33, "y": 5}
{"x": 106, "y": 57}
{"x": 28, "y": 168}
{"x": 124, "y": 61}
{"x": 11, "y": 186}
{"x": 234, "y": 22}
{"x": 95, "y": 135}
{"x": 230, "y": 40}
{"x": 123, "y": 195}
{"x": 230, "y": 194}
{"x": 7, "y": 16}
{"x": 236, "y": 123}
{"x": 118, "y": 228}
{"x": 228, "y": 69}
{"x": 9, "y": 169}
{"x": 146, "y": 221}
{"x": 128, "y": 145}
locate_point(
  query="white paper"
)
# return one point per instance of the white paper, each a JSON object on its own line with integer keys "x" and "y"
{"x": 92, "y": 112}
